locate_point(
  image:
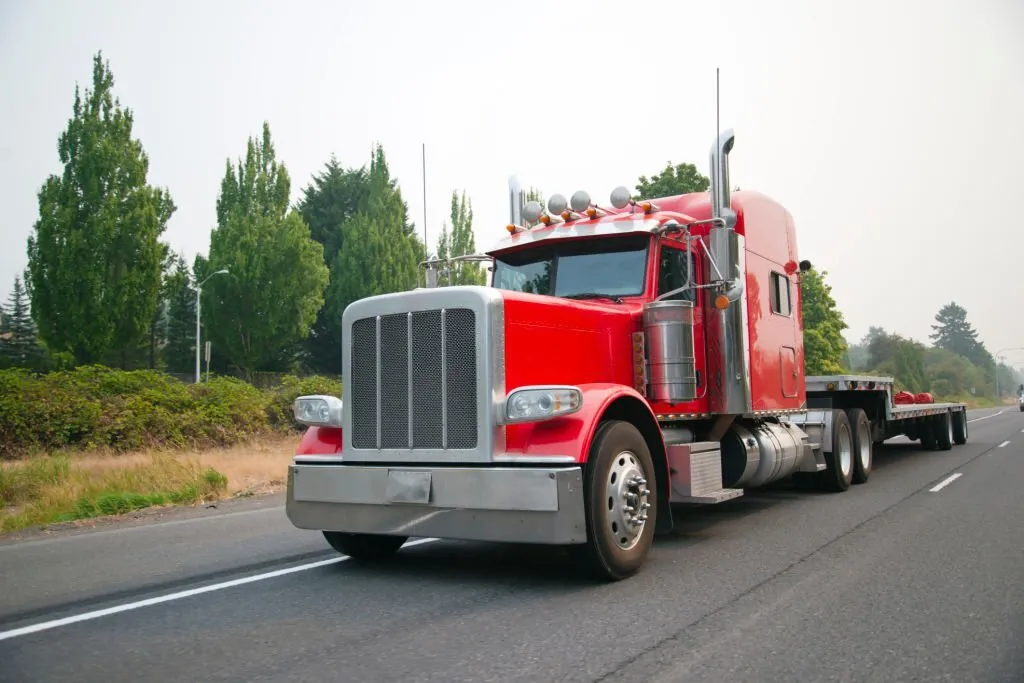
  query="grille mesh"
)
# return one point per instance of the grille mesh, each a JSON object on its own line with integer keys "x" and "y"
{"x": 443, "y": 410}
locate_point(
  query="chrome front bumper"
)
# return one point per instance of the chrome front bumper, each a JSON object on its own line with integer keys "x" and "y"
{"x": 502, "y": 504}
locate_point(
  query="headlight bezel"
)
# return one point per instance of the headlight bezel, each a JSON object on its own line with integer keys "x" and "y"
{"x": 318, "y": 410}
{"x": 538, "y": 403}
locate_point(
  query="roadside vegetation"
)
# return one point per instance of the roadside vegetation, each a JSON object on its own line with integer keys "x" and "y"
{"x": 94, "y": 441}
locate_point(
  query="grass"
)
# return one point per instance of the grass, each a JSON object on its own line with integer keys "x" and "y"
{"x": 64, "y": 487}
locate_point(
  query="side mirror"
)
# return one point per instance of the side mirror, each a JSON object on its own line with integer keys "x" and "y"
{"x": 805, "y": 265}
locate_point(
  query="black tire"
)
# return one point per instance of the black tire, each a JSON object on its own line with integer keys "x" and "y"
{"x": 615, "y": 549}
{"x": 365, "y": 546}
{"x": 838, "y": 473}
{"x": 960, "y": 427}
{"x": 926, "y": 430}
{"x": 863, "y": 445}
{"x": 944, "y": 431}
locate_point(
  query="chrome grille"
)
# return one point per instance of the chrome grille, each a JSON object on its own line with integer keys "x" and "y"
{"x": 413, "y": 380}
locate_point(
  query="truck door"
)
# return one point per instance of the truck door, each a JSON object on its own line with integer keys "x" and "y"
{"x": 674, "y": 262}
{"x": 781, "y": 300}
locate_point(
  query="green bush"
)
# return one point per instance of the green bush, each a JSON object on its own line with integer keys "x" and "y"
{"x": 97, "y": 408}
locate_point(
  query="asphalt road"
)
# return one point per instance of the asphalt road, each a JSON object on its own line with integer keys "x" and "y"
{"x": 917, "y": 575}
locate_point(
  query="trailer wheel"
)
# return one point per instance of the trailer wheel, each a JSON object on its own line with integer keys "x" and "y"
{"x": 944, "y": 431}
{"x": 838, "y": 474}
{"x": 619, "y": 501}
{"x": 365, "y": 546}
{"x": 960, "y": 427}
{"x": 926, "y": 432}
{"x": 863, "y": 445}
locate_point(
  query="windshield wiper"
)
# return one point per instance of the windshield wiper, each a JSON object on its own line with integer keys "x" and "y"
{"x": 594, "y": 295}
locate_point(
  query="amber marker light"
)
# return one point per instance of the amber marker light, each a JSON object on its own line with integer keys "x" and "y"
{"x": 721, "y": 302}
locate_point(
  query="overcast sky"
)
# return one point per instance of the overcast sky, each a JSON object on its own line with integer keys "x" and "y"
{"x": 892, "y": 130}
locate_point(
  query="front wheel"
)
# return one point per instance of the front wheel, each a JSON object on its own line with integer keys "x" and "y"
{"x": 619, "y": 502}
{"x": 365, "y": 546}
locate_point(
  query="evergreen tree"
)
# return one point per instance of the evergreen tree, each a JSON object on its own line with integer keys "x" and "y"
{"x": 268, "y": 301}
{"x": 953, "y": 333}
{"x": 380, "y": 255}
{"x": 19, "y": 345}
{"x": 94, "y": 259}
{"x": 327, "y": 205}
{"x": 180, "y": 318}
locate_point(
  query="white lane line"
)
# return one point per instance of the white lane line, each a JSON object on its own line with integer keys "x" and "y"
{"x": 96, "y": 614}
{"x": 945, "y": 482}
{"x": 985, "y": 417}
{"x": 1004, "y": 444}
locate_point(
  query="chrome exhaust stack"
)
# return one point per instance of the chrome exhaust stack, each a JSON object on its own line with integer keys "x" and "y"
{"x": 728, "y": 342}
{"x": 516, "y": 201}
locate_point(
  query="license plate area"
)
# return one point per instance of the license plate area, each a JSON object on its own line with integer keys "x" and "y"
{"x": 409, "y": 487}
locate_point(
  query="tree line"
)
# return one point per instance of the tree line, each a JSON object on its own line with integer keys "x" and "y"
{"x": 101, "y": 287}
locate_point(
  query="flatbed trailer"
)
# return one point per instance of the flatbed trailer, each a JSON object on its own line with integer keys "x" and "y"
{"x": 938, "y": 426}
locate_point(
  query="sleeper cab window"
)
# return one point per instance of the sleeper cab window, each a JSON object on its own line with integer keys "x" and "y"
{"x": 779, "y": 291}
{"x": 672, "y": 271}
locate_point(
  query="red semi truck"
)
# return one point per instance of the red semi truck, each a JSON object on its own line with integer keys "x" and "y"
{"x": 625, "y": 359}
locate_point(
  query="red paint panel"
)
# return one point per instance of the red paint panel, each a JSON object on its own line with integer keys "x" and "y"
{"x": 320, "y": 441}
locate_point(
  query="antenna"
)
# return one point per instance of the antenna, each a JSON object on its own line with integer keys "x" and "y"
{"x": 426, "y": 245}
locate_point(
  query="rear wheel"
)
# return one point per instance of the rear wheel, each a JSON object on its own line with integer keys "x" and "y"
{"x": 863, "y": 445}
{"x": 619, "y": 502}
{"x": 960, "y": 427}
{"x": 944, "y": 431}
{"x": 365, "y": 546}
{"x": 926, "y": 428}
{"x": 838, "y": 473}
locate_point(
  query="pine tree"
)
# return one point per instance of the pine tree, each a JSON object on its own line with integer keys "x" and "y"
{"x": 19, "y": 345}
{"x": 179, "y": 319}
{"x": 954, "y": 333}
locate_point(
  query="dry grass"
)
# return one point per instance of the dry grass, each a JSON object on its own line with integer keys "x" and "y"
{"x": 69, "y": 486}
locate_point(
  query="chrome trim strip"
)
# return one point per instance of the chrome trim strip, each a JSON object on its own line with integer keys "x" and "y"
{"x": 298, "y": 459}
{"x": 518, "y": 458}
{"x": 408, "y": 355}
{"x": 444, "y": 384}
{"x": 379, "y": 410}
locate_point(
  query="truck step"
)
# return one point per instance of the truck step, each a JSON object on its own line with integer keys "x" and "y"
{"x": 709, "y": 498}
{"x": 696, "y": 471}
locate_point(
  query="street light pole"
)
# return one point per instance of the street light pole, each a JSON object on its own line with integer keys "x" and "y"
{"x": 199, "y": 291}
{"x": 996, "y": 354}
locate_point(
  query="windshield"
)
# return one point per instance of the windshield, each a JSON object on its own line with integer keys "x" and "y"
{"x": 606, "y": 266}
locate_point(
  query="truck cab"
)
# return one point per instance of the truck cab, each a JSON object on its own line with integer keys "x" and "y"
{"x": 626, "y": 357}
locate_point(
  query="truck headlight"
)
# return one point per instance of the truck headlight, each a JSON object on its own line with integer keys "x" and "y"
{"x": 318, "y": 411}
{"x": 533, "y": 404}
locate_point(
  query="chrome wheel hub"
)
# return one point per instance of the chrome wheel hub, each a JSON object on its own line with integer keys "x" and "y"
{"x": 626, "y": 497}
